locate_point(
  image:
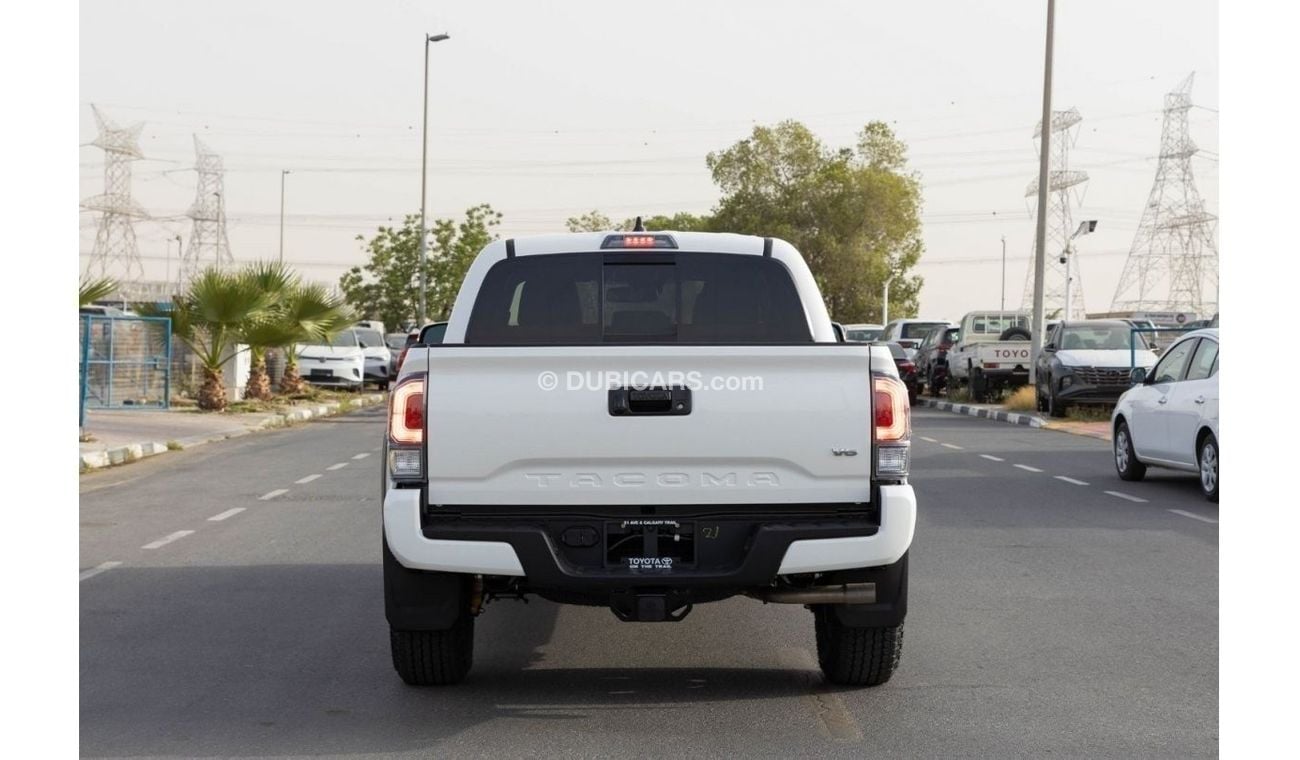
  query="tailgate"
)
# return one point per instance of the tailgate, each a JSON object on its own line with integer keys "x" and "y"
{"x": 532, "y": 425}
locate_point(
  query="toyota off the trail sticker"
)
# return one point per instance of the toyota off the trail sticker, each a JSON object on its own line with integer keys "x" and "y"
{"x": 649, "y": 563}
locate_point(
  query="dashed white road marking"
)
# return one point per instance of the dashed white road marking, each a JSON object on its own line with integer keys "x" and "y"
{"x": 338, "y": 466}
{"x": 1027, "y": 468}
{"x": 928, "y": 439}
{"x": 992, "y": 458}
{"x": 307, "y": 479}
{"x": 102, "y": 567}
{"x": 1194, "y": 516}
{"x": 272, "y": 494}
{"x": 167, "y": 539}
{"x": 362, "y": 455}
{"x": 950, "y": 446}
{"x": 227, "y": 513}
{"x": 1072, "y": 480}
{"x": 1126, "y": 496}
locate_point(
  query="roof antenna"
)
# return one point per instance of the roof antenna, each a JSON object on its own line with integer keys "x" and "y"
{"x": 638, "y": 227}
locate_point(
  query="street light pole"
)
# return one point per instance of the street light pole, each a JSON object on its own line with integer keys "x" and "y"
{"x": 283, "y": 173}
{"x": 1004, "y": 273}
{"x": 884, "y": 308}
{"x": 424, "y": 164}
{"x": 1044, "y": 178}
{"x": 1067, "y": 259}
{"x": 180, "y": 264}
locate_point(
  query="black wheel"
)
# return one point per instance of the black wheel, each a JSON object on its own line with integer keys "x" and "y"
{"x": 1014, "y": 333}
{"x": 978, "y": 385}
{"x": 851, "y": 656}
{"x": 383, "y": 385}
{"x": 434, "y": 658}
{"x": 1207, "y": 458}
{"x": 1054, "y": 407}
{"x": 1040, "y": 402}
{"x": 1126, "y": 461}
{"x": 912, "y": 393}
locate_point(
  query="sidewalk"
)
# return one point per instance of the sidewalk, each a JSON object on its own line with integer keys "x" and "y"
{"x": 1099, "y": 429}
{"x": 121, "y": 436}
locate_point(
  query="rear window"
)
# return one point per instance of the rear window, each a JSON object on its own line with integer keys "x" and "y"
{"x": 578, "y": 299}
{"x": 897, "y": 351}
{"x": 918, "y": 330}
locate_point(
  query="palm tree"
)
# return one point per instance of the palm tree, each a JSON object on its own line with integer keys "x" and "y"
{"x": 308, "y": 313}
{"x": 268, "y": 330}
{"x": 93, "y": 290}
{"x": 211, "y": 318}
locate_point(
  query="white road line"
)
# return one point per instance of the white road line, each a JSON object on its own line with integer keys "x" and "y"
{"x": 1027, "y": 468}
{"x": 992, "y": 458}
{"x": 362, "y": 455}
{"x": 338, "y": 466}
{"x": 167, "y": 539}
{"x": 1072, "y": 480}
{"x": 1126, "y": 496}
{"x": 950, "y": 446}
{"x": 307, "y": 479}
{"x": 102, "y": 567}
{"x": 227, "y": 513}
{"x": 1195, "y": 516}
{"x": 272, "y": 494}
{"x": 929, "y": 439}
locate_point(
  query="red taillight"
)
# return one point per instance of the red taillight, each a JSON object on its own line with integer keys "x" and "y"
{"x": 906, "y": 366}
{"x": 893, "y": 413}
{"x": 990, "y": 365}
{"x": 638, "y": 241}
{"x": 406, "y": 413}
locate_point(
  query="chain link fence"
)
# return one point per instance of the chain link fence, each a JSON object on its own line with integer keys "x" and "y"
{"x": 126, "y": 363}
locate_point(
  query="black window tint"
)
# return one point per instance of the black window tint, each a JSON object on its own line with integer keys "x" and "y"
{"x": 1204, "y": 361}
{"x": 682, "y": 298}
{"x": 1171, "y": 366}
{"x": 918, "y": 330}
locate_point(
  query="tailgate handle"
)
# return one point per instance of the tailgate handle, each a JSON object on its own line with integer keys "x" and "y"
{"x": 650, "y": 401}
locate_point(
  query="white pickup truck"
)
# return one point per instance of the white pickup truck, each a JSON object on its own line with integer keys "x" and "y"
{"x": 646, "y": 421}
{"x": 991, "y": 353}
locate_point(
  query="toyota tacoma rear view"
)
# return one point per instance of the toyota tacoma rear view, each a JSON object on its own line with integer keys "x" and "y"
{"x": 646, "y": 421}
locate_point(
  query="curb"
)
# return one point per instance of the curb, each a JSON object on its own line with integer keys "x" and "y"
{"x": 133, "y": 452}
{"x": 1014, "y": 418}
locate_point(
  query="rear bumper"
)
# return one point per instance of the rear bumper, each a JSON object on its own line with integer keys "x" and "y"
{"x": 526, "y": 547}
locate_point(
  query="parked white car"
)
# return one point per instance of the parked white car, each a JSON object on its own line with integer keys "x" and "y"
{"x": 1171, "y": 417}
{"x": 378, "y": 357}
{"x": 340, "y": 362}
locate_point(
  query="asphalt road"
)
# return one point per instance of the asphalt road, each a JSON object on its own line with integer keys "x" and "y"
{"x": 1047, "y": 617}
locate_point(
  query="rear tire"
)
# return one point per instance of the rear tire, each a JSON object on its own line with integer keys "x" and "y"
{"x": 434, "y": 658}
{"x": 1207, "y": 460}
{"x": 1014, "y": 333}
{"x": 851, "y": 656}
{"x": 1126, "y": 461}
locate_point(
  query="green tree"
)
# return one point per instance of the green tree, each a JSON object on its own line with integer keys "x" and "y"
{"x": 306, "y": 314}
{"x": 854, "y": 213}
{"x": 455, "y": 244}
{"x": 266, "y": 330}
{"x": 680, "y": 222}
{"x": 93, "y": 290}
{"x": 210, "y": 318}
{"x": 592, "y": 221}
{"x": 387, "y": 288}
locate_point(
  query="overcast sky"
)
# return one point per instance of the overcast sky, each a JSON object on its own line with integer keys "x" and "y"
{"x": 547, "y": 112}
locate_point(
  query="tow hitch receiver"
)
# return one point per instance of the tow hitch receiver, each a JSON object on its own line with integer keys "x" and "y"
{"x": 650, "y": 608}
